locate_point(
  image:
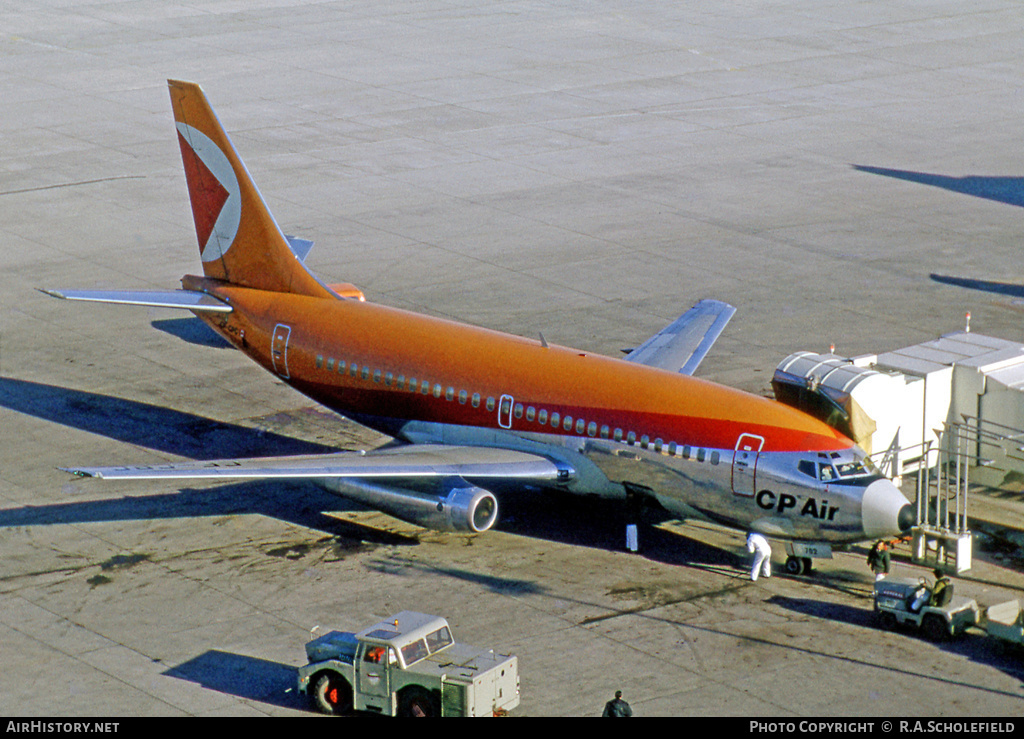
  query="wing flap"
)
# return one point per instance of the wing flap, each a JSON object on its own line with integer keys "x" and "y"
{"x": 427, "y": 461}
{"x": 184, "y": 299}
{"x": 680, "y": 346}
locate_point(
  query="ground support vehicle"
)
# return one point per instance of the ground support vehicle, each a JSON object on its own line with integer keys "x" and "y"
{"x": 895, "y": 600}
{"x": 1005, "y": 622}
{"x": 407, "y": 665}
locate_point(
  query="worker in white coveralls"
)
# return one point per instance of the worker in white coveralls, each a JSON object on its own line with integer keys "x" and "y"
{"x": 758, "y": 546}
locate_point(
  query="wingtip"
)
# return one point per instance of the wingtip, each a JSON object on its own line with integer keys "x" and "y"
{"x": 52, "y": 293}
{"x": 79, "y": 472}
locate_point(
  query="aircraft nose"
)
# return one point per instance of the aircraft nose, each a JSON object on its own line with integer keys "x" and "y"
{"x": 885, "y": 511}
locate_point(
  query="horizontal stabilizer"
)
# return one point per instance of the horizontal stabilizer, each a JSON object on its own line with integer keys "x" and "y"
{"x": 427, "y": 461}
{"x": 184, "y": 299}
{"x": 301, "y": 247}
{"x": 680, "y": 346}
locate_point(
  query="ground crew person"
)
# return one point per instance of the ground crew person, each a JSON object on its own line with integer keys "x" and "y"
{"x": 758, "y": 546}
{"x": 878, "y": 559}
{"x": 942, "y": 593}
{"x": 617, "y": 708}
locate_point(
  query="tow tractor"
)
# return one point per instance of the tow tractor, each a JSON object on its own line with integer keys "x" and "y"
{"x": 901, "y": 600}
{"x": 407, "y": 665}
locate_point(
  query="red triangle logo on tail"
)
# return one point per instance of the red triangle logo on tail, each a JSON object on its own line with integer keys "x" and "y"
{"x": 205, "y": 191}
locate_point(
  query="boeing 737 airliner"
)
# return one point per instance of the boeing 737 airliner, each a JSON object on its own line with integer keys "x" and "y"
{"x": 469, "y": 405}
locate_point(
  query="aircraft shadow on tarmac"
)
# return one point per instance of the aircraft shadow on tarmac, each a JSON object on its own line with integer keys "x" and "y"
{"x": 972, "y": 645}
{"x": 249, "y": 678}
{"x": 601, "y": 524}
{"x": 193, "y": 331}
{"x": 584, "y": 522}
{"x": 1008, "y": 190}
{"x": 143, "y": 424}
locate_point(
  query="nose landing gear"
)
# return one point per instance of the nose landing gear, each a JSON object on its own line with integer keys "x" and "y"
{"x": 798, "y": 565}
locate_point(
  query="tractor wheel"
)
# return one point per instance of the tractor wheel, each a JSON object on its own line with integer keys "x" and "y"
{"x": 934, "y": 628}
{"x": 332, "y": 694}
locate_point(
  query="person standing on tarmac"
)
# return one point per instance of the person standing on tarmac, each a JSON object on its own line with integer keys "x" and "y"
{"x": 617, "y": 708}
{"x": 878, "y": 559}
{"x": 758, "y": 546}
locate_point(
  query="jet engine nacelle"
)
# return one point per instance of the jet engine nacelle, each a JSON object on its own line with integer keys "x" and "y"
{"x": 455, "y": 506}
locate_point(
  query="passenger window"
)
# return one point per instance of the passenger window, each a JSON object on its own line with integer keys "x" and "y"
{"x": 531, "y": 413}
{"x": 605, "y": 432}
{"x": 376, "y": 375}
{"x": 592, "y": 429}
{"x": 701, "y": 454}
{"x": 319, "y": 361}
{"x": 554, "y": 420}
{"x": 341, "y": 366}
{"x": 567, "y": 423}
{"x": 645, "y": 440}
{"x": 330, "y": 364}
{"x": 490, "y": 404}
{"x": 449, "y": 394}
{"x": 618, "y": 435}
{"x": 580, "y": 425}
{"x": 353, "y": 370}
{"x": 476, "y": 400}
{"x": 715, "y": 457}
{"x": 366, "y": 372}
{"x": 389, "y": 378}
{"x": 542, "y": 417}
{"x": 631, "y": 437}
{"x": 438, "y": 390}
{"x": 518, "y": 412}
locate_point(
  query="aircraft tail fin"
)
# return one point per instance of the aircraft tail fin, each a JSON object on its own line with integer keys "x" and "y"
{"x": 239, "y": 240}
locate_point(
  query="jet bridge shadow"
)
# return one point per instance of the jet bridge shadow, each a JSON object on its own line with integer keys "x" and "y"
{"x": 145, "y": 424}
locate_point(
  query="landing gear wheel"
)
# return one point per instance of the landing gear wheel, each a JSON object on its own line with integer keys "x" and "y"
{"x": 795, "y": 565}
{"x": 417, "y": 701}
{"x": 332, "y": 695}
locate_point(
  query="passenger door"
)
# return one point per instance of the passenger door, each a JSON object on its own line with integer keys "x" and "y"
{"x": 744, "y": 464}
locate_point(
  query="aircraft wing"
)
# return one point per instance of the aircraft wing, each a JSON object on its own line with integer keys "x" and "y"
{"x": 185, "y": 299}
{"x": 680, "y": 346}
{"x": 412, "y": 461}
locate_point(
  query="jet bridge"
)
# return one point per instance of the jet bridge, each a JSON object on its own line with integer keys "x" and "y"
{"x": 951, "y": 409}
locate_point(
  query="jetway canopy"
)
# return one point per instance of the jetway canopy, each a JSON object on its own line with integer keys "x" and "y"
{"x": 902, "y": 398}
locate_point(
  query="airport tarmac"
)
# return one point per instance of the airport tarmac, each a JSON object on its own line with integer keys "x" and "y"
{"x": 585, "y": 171}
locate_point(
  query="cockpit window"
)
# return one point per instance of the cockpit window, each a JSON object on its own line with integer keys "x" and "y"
{"x": 826, "y": 472}
{"x": 807, "y": 468}
{"x": 852, "y": 469}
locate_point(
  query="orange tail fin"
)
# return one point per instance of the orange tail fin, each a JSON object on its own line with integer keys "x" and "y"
{"x": 239, "y": 240}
